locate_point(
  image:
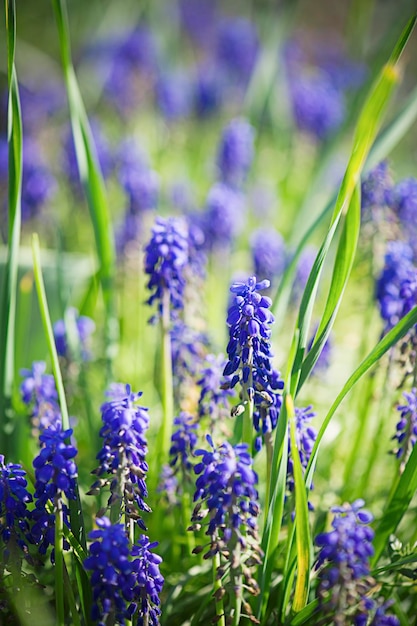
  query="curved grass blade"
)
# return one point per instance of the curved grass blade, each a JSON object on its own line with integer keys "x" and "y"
{"x": 302, "y": 527}
{"x": 390, "y": 339}
{"x": 396, "y": 506}
{"x": 92, "y": 180}
{"x": 8, "y": 296}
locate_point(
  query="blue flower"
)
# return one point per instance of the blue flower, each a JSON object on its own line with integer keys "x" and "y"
{"x": 376, "y": 192}
{"x": 305, "y": 436}
{"x": 235, "y": 152}
{"x": 84, "y": 327}
{"x": 122, "y": 458}
{"x": 183, "y": 441}
{"x": 268, "y": 253}
{"x": 227, "y": 506}
{"x": 304, "y": 266}
{"x": 38, "y": 391}
{"x": 38, "y": 184}
{"x": 406, "y": 434}
{"x": 174, "y": 95}
{"x": 188, "y": 350}
{"x": 215, "y": 392}
{"x": 149, "y": 581}
{"x": 237, "y": 48}
{"x": 138, "y": 180}
{"x": 69, "y": 157}
{"x": 166, "y": 259}
{"x": 249, "y": 351}
{"x": 323, "y": 362}
{"x": 224, "y": 216}
{"x": 14, "y": 514}
{"x": 343, "y": 560}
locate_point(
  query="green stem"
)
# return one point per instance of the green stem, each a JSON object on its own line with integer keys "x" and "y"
{"x": 167, "y": 383}
{"x": 59, "y": 560}
{"x": 269, "y": 445}
{"x": 236, "y": 579}
{"x": 217, "y": 592}
{"x": 247, "y": 432}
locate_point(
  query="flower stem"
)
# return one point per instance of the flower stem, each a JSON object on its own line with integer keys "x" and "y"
{"x": 269, "y": 445}
{"x": 167, "y": 384}
{"x": 59, "y": 560}
{"x": 217, "y": 586}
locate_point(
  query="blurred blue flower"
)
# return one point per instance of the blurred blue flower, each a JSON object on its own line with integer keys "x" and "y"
{"x": 183, "y": 440}
{"x": 376, "y": 192}
{"x": 268, "y": 253}
{"x": 174, "y": 95}
{"x": 406, "y": 434}
{"x": 38, "y": 184}
{"x": 214, "y": 390}
{"x": 235, "y": 152}
{"x": 305, "y": 436}
{"x": 138, "y": 180}
{"x": 208, "y": 91}
{"x": 304, "y": 267}
{"x": 166, "y": 260}
{"x": 323, "y": 362}
{"x": 224, "y": 216}
{"x": 84, "y": 327}
{"x": 343, "y": 560}
{"x": 38, "y": 391}
{"x": 103, "y": 150}
{"x": 237, "y": 48}
{"x": 14, "y": 514}
{"x": 122, "y": 459}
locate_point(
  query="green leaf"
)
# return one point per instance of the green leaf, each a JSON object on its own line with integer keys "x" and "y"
{"x": 8, "y": 295}
{"x": 302, "y": 527}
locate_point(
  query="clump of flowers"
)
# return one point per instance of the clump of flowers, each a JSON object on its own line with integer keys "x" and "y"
{"x": 235, "y": 153}
{"x": 122, "y": 464}
{"x": 83, "y": 327}
{"x": 268, "y": 253}
{"x": 305, "y": 436}
{"x": 39, "y": 392}
{"x": 215, "y": 393}
{"x": 126, "y": 580}
{"x": 227, "y": 507}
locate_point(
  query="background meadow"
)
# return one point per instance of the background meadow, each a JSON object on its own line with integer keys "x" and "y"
{"x": 208, "y": 286}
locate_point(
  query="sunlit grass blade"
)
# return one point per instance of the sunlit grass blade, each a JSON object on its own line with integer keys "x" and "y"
{"x": 342, "y": 268}
{"x": 389, "y": 340}
{"x": 9, "y": 290}
{"x": 92, "y": 180}
{"x": 366, "y": 129}
{"x": 396, "y": 506}
{"x": 302, "y": 527}
{"x": 306, "y": 615}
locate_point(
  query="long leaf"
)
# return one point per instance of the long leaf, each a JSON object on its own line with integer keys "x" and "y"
{"x": 91, "y": 178}
{"x": 8, "y": 296}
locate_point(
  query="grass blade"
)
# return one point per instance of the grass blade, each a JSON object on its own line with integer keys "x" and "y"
{"x": 92, "y": 180}
{"x": 8, "y": 296}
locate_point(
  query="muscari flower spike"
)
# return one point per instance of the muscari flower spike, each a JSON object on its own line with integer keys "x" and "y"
{"x": 84, "y": 327}
{"x": 343, "y": 562}
{"x": 55, "y": 477}
{"x": 166, "y": 259}
{"x": 227, "y": 498}
{"x": 122, "y": 458}
{"x": 38, "y": 391}
{"x": 14, "y": 514}
{"x": 126, "y": 580}
{"x": 215, "y": 392}
{"x": 235, "y": 152}
{"x": 406, "y": 434}
{"x": 305, "y": 436}
{"x": 250, "y": 355}
{"x": 223, "y": 217}
{"x": 268, "y": 253}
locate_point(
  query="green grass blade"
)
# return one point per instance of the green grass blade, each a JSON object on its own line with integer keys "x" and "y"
{"x": 390, "y": 339}
{"x": 8, "y": 295}
{"x": 341, "y": 272}
{"x": 396, "y": 506}
{"x": 91, "y": 178}
{"x": 302, "y": 527}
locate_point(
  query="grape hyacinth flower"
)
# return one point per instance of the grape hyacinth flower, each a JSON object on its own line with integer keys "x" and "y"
{"x": 323, "y": 362}
{"x": 305, "y": 436}
{"x": 55, "y": 477}
{"x": 304, "y": 266}
{"x": 39, "y": 392}
{"x": 227, "y": 507}
{"x": 122, "y": 464}
{"x": 376, "y": 193}
{"x": 174, "y": 95}
{"x": 343, "y": 562}
{"x": 14, "y": 514}
{"x": 183, "y": 441}
{"x": 208, "y": 91}
{"x": 140, "y": 183}
{"x": 235, "y": 152}
{"x": 404, "y": 204}
{"x": 223, "y": 218}
{"x": 166, "y": 259}
{"x": 250, "y": 355}
{"x": 406, "y": 434}
{"x": 268, "y": 253}
{"x": 188, "y": 350}
{"x": 38, "y": 184}
{"x": 83, "y": 326}
{"x": 237, "y": 49}
{"x": 126, "y": 580}
{"x": 69, "y": 158}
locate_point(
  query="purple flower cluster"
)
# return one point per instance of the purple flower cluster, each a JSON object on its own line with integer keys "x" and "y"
{"x": 343, "y": 560}
{"x": 140, "y": 183}
{"x": 305, "y": 436}
{"x": 122, "y": 463}
{"x": 223, "y": 217}
{"x": 174, "y": 95}
{"x": 323, "y": 362}
{"x": 226, "y": 494}
{"x": 39, "y": 392}
{"x": 166, "y": 259}
{"x": 38, "y": 184}
{"x": 83, "y": 326}
{"x": 14, "y": 514}
{"x": 237, "y": 49}
{"x": 235, "y": 152}
{"x": 396, "y": 287}
{"x": 376, "y": 192}
{"x": 249, "y": 351}
{"x": 268, "y": 253}
{"x": 126, "y": 580}
{"x": 406, "y": 434}
{"x": 183, "y": 441}
{"x": 55, "y": 476}
{"x": 69, "y": 157}
{"x": 188, "y": 350}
